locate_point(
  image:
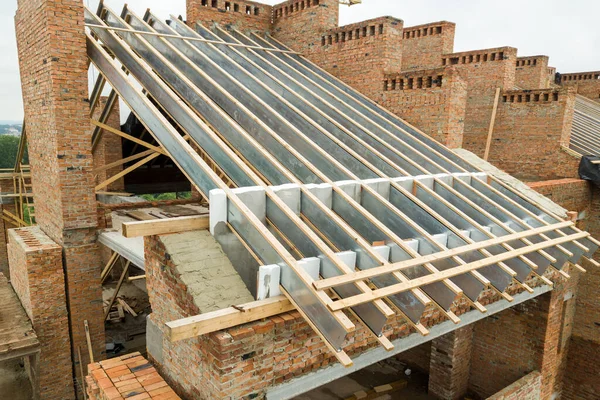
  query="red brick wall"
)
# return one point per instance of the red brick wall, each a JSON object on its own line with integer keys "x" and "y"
{"x": 583, "y": 370}
{"x": 517, "y": 341}
{"x": 36, "y": 273}
{"x": 532, "y": 72}
{"x": 302, "y": 29}
{"x": 424, "y": 45}
{"x": 54, "y": 76}
{"x": 530, "y": 128}
{"x": 451, "y": 364}
{"x": 361, "y": 61}
{"x": 418, "y": 357}
{"x": 432, "y": 100}
{"x": 526, "y": 388}
{"x": 571, "y": 194}
{"x": 249, "y": 358}
{"x": 483, "y": 71}
{"x": 109, "y": 149}
{"x": 587, "y": 83}
{"x": 241, "y": 14}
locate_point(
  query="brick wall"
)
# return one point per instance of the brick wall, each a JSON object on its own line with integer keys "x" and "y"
{"x": 531, "y": 126}
{"x": 6, "y": 186}
{"x": 361, "y": 54}
{"x": 517, "y": 341}
{"x": 483, "y": 71}
{"x": 526, "y": 388}
{"x": 36, "y": 273}
{"x": 244, "y": 360}
{"x": 451, "y": 364}
{"x": 240, "y": 14}
{"x": 109, "y": 149}
{"x": 571, "y": 194}
{"x": 583, "y": 370}
{"x": 433, "y": 100}
{"x": 305, "y": 19}
{"x": 424, "y": 45}
{"x": 586, "y": 83}
{"x": 532, "y": 72}
{"x": 418, "y": 357}
{"x": 54, "y": 77}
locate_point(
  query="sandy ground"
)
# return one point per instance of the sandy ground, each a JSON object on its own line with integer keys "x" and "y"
{"x": 14, "y": 382}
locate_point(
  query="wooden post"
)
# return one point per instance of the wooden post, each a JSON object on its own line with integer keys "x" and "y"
{"x": 488, "y": 145}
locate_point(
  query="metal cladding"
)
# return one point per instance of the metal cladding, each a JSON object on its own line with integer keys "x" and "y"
{"x": 395, "y": 220}
{"x": 585, "y": 133}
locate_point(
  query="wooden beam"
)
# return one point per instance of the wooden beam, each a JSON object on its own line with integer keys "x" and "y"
{"x": 119, "y": 284}
{"x": 233, "y": 316}
{"x": 126, "y": 171}
{"x": 164, "y": 226}
{"x": 488, "y": 145}
{"x": 446, "y": 274}
{"x": 123, "y": 161}
{"x": 388, "y": 269}
{"x": 128, "y": 137}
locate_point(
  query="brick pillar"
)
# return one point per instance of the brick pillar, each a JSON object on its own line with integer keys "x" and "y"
{"x": 450, "y": 364}
{"x": 54, "y": 78}
{"x": 36, "y": 273}
{"x": 109, "y": 149}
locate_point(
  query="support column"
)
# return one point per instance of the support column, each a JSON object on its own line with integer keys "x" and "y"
{"x": 54, "y": 78}
{"x": 36, "y": 272}
{"x": 451, "y": 364}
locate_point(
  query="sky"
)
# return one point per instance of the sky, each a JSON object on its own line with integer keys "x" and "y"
{"x": 568, "y": 32}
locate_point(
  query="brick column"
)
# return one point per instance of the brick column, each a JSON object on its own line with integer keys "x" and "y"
{"x": 450, "y": 364}
{"x": 54, "y": 77}
{"x": 36, "y": 272}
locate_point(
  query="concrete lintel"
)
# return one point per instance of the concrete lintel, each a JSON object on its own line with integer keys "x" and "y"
{"x": 323, "y": 376}
{"x": 132, "y": 249}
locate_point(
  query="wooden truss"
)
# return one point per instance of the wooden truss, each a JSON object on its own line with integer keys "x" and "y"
{"x": 310, "y": 171}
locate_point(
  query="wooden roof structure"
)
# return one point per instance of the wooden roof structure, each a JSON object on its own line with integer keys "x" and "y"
{"x": 301, "y": 169}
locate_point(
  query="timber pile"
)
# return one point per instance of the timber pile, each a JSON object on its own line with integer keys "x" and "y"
{"x": 127, "y": 377}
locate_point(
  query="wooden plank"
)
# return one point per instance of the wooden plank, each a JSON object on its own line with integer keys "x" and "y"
{"x": 126, "y": 171}
{"x": 370, "y": 273}
{"x": 164, "y": 226}
{"x": 89, "y": 341}
{"x": 449, "y": 273}
{"x": 116, "y": 293}
{"x": 81, "y": 375}
{"x": 229, "y": 317}
{"x": 123, "y": 161}
{"x": 488, "y": 144}
{"x": 128, "y": 137}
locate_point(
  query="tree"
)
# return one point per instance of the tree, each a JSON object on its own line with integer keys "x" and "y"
{"x": 9, "y": 146}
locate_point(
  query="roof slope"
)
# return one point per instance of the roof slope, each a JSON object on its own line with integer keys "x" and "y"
{"x": 585, "y": 134}
{"x": 393, "y": 220}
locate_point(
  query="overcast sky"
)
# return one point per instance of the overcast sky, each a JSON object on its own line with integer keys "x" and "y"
{"x": 569, "y": 32}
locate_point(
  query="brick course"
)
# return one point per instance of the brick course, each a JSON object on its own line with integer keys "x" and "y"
{"x": 36, "y": 273}
{"x": 526, "y": 388}
{"x": 532, "y": 72}
{"x": 54, "y": 76}
{"x": 240, "y": 14}
{"x": 424, "y": 45}
{"x": 586, "y": 83}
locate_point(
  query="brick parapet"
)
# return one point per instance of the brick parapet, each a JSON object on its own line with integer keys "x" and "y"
{"x": 535, "y": 126}
{"x": 241, "y": 14}
{"x": 434, "y": 100}
{"x": 526, "y": 388}
{"x": 424, "y": 45}
{"x": 317, "y": 17}
{"x": 36, "y": 273}
{"x": 532, "y": 72}
{"x": 586, "y": 83}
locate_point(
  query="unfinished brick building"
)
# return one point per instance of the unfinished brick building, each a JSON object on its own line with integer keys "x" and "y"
{"x": 342, "y": 235}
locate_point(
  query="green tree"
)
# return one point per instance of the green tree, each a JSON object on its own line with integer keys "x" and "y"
{"x": 9, "y": 145}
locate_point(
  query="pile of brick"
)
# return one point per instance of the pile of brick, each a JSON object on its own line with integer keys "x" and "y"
{"x": 129, "y": 377}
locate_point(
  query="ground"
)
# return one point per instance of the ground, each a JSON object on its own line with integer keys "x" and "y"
{"x": 370, "y": 377}
{"x": 14, "y": 382}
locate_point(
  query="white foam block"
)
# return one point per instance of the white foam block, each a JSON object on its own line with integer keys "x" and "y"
{"x": 323, "y": 192}
{"x": 348, "y": 258}
{"x": 380, "y": 185}
{"x": 312, "y": 266}
{"x": 352, "y": 188}
{"x": 218, "y": 208}
{"x": 441, "y": 238}
{"x": 290, "y": 194}
{"x": 269, "y": 277}
{"x": 383, "y": 251}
